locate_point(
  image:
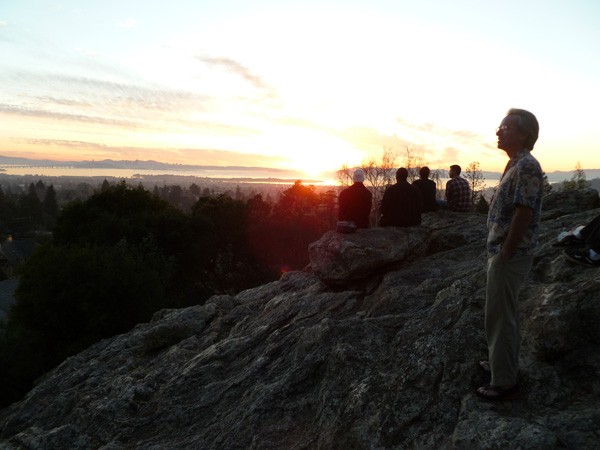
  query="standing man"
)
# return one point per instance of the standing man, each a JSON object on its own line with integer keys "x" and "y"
{"x": 401, "y": 205}
{"x": 513, "y": 222}
{"x": 458, "y": 192}
{"x": 428, "y": 189}
{"x": 355, "y": 201}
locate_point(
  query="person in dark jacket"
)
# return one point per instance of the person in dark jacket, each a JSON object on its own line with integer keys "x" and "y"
{"x": 401, "y": 205}
{"x": 428, "y": 190}
{"x": 355, "y": 201}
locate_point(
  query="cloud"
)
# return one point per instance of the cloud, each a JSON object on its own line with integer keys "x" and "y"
{"x": 450, "y": 154}
{"x": 40, "y": 113}
{"x": 235, "y": 67}
{"x": 471, "y": 138}
{"x": 61, "y": 101}
{"x": 111, "y": 97}
{"x": 63, "y": 143}
{"x": 127, "y": 23}
{"x": 463, "y": 137}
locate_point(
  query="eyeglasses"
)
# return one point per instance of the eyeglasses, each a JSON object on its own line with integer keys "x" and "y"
{"x": 505, "y": 128}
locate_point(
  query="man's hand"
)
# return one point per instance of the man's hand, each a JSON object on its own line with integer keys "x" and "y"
{"x": 518, "y": 227}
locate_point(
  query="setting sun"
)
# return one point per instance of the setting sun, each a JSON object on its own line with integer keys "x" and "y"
{"x": 312, "y": 152}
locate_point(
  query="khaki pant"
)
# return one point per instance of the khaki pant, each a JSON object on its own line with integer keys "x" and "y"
{"x": 504, "y": 282}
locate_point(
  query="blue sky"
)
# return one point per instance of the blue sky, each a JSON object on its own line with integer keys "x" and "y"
{"x": 310, "y": 85}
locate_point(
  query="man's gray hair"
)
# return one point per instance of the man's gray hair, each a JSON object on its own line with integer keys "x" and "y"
{"x": 528, "y": 123}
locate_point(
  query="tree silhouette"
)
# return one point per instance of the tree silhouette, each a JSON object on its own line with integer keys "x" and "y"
{"x": 50, "y": 207}
{"x": 578, "y": 181}
{"x": 474, "y": 176}
{"x": 30, "y": 209}
{"x": 546, "y": 184}
{"x": 297, "y": 201}
{"x": 224, "y": 261}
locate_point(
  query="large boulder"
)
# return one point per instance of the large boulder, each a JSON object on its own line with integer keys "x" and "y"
{"x": 563, "y": 202}
{"x": 339, "y": 258}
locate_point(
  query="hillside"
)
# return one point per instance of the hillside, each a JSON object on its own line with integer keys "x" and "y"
{"x": 373, "y": 346}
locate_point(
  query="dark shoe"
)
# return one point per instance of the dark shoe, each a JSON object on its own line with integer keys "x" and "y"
{"x": 495, "y": 393}
{"x": 581, "y": 257}
{"x": 485, "y": 366}
{"x": 569, "y": 241}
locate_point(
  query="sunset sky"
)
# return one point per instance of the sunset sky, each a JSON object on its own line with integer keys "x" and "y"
{"x": 304, "y": 84}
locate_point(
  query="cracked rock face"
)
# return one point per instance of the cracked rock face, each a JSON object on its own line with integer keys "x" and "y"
{"x": 373, "y": 346}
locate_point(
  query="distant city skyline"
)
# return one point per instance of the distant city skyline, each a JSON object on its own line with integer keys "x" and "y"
{"x": 298, "y": 86}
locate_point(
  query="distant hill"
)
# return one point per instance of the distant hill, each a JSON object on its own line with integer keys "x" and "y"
{"x": 594, "y": 183}
{"x": 123, "y": 164}
{"x": 553, "y": 177}
{"x": 561, "y": 175}
{"x": 557, "y": 175}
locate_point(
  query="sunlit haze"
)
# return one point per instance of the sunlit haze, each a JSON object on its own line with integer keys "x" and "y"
{"x": 306, "y": 85}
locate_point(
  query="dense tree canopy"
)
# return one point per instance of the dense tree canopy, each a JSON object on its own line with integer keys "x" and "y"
{"x": 31, "y": 211}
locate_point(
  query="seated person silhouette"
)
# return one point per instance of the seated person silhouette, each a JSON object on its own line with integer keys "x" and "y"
{"x": 401, "y": 205}
{"x": 428, "y": 190}
{"x": 355, "y": 202}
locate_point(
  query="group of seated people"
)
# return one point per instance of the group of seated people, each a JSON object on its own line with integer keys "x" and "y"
{"x": 403, "y": 203}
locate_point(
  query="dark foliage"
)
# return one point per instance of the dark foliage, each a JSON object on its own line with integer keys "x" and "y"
{"x": 482, "y": 206}
{"x": 281, "y": 238}
{"x": 28, "y": 212}
{"x": 124, "y": 253}
{"x": 224, "y": 259}
{"x": 70, "y": 297}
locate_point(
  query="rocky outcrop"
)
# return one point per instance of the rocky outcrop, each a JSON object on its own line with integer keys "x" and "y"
{"x": 374, "y": 346}
{"x": 340, "y": 259}
{"x": 559, "y": 203}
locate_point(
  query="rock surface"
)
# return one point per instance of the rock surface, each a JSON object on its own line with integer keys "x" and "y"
{"x": 375, "y": 346}
{"x": 559, "y": 203}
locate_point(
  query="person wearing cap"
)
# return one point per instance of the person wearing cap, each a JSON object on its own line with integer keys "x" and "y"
{"x": 355, "y": 201}
{"x": 401, "y": 205}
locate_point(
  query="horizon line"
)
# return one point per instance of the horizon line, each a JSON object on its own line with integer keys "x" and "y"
{"x": 28, "y": 162}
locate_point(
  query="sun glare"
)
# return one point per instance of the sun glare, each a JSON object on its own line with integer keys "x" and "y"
{"x": 312, "y": 152}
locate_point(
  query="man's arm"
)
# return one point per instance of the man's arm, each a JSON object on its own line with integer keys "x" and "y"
{"x": 518, "y": 227}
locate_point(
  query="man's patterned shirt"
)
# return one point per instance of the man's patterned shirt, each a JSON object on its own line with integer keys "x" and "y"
{"x": 521, "y": 184}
